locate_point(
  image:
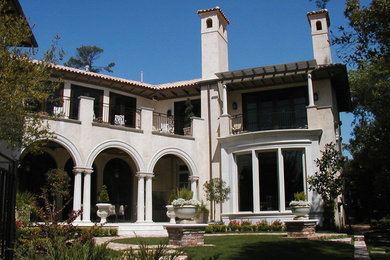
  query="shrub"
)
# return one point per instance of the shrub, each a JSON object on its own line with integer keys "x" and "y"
{"x": 103, "y": 195}
{"x": 381, "y": 224}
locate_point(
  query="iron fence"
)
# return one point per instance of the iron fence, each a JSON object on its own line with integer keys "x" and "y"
{"x": 7, "y": 206}
{"x": 295, "y": 119}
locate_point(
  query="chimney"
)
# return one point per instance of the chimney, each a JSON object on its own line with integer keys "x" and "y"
{"x": 214, "y": 42}
{"x": 319, "y": 23}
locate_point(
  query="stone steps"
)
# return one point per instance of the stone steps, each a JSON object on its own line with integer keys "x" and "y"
{"x": 140, "y": 229}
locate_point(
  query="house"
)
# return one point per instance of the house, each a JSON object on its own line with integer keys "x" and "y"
{"x": 259, "y": 129}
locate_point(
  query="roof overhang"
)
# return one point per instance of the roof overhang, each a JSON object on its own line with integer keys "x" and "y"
{"x": 15, "y": 9}
{"x": 179, "y": 89}
{"x": 290, "y": 73}
{"x": 268, "y": 75}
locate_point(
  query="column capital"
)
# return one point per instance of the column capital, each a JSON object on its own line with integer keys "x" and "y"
{"x": 78, "y": 169}
{"x": 144, "y": 174}
{"x": 193, "y": 178}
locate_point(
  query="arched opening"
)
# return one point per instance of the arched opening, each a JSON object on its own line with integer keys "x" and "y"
{"x": 209, "y": 23}
{"x": 170, "y": 173}
{"x": 34, "y": 166}
{"x": 115, "y": 169}
{"x": 319, "y": 25}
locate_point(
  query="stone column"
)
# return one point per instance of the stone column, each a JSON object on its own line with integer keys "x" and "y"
{"x": 77, "y": 190}
{"x": 87, "y": 195}
{"x": 148, "y": 198}
{"x": 194, "y": 186}
{"x": 141, "y": 198}
{"x": 310, "y": 90}
{"x": 224, "y": 100}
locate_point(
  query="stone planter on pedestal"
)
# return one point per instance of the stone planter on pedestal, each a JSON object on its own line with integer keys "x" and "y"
{"x": 301, "y": 212}
{"x": 104, "y": 211}
{"x": 186, "y": 213}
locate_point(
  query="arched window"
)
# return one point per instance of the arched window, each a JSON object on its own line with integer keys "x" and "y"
{"x": 319, "y": 25}
{"x": 209, "y": 23}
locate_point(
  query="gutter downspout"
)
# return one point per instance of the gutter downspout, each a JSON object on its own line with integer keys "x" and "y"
{"x": 209, "y": 125}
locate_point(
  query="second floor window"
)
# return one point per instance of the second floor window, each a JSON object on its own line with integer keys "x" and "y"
{"x": 122, "y": 110}
{"x": 78, "y": 91}
{"x": 275, "y": 109}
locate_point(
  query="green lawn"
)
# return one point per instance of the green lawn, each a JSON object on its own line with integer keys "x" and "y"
{"x": 263, "y": 247}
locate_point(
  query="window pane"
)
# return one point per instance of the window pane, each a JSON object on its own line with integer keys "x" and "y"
{"x": 245, "y": 186}
{"x": 293, "y": 173}
{"x": 268, "y": 175}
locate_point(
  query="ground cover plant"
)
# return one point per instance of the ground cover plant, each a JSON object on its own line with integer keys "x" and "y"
{"x": 246, "y": 226}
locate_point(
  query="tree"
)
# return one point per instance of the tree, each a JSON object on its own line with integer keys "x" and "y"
{"x": 320, "y": 3}
{"x": 86, "y": 56}
{"x": 216, "y": 191}
{"x": 23, "y": 82}
{"x": 365, "y": 45}
{"x": 327, "y": 182}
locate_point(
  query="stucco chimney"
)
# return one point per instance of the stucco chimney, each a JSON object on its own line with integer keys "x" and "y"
{"x": 214, "y": 42}
{"x": 319, "y": 23}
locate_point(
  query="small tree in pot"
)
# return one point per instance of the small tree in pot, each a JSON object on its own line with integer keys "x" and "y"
{"x": 103, "y": 205}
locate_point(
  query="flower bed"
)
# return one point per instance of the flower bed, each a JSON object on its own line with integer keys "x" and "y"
{"x": 246, "y": 226}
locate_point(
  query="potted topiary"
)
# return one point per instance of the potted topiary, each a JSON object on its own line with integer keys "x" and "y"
{"x": 184, "y": 206}
{"x": 104, "y": 206}
{"x": 188, "y": 114}
{"x": 202, "y": 214}
{"x": 300, "y": 207}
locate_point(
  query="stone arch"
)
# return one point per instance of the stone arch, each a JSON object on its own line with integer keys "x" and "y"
{"x": 133, "y": 153}
{"x": 177, "y": 152}
{"x": 68, "y": 145}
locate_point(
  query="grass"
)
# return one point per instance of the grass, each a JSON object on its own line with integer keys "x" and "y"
{"x": 264, "y": 247}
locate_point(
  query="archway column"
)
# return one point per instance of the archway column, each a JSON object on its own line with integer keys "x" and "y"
{"x": 141, "y": 197}
{"x": 87, "y": 195}
{"x": 194, "y": 186}
{"x": 148, "y": 198}
{"x": 77, "y": 190}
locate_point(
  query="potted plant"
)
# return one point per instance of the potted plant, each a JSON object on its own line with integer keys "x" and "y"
{"x": 103, "y": 205}
{"x": 300, "y": 207}
{"x": 188, "y": 114}
{"x": 185, "y": 207}
{"x": 202, "y": 214}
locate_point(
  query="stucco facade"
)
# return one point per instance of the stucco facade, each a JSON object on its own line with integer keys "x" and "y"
{"x": 125, "y": 133}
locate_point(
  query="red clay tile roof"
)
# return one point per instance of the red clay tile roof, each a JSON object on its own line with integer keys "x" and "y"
{"x": 217, "y": 8}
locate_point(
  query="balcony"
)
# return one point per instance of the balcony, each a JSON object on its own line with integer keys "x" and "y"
{"x": 252, "y": 122}
{"x": 169, "y": 124}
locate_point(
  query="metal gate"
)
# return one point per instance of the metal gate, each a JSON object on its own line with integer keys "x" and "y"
{"x": 7, "y": 205}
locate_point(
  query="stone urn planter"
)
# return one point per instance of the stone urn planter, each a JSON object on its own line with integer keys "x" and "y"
{"x": 104, "y": 211}
{"x": 185, "y": 209}
{"x": 185, "y": 212}
{"x": 171, "y": 214}
{"x": 301, "y": 212}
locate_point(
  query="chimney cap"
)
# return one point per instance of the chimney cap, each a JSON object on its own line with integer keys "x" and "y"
{"x": 322, "y": 11}
{"x": 215, "y": 9}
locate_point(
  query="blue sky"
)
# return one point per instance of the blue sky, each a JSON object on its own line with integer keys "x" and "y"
{"x": 162, "y": 38}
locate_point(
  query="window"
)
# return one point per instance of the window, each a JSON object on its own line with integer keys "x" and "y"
{"x": 183, "y": 176}
{"x": 122, "y": 110}
{"x": 245, "y": 185}
{"x": 319, "y": 25}
{"x": 274, "y": 166}
{"x": 275, "y": 109}
{"x": 78, "y": 91}
{"x": 179, "y": 108}
{"x": 268, "y": 178}
{"x": 293, "y": 162}
{"x": 209, "y": 23}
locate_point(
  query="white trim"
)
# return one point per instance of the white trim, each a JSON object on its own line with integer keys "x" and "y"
{"x": 179, "y": 153}
{"x": 138, "y": 161}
